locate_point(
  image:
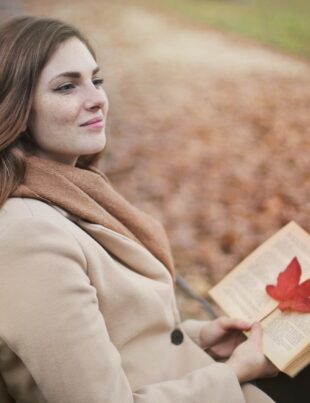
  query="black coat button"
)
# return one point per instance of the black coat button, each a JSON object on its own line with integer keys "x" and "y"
{"x": 177, "y": 337}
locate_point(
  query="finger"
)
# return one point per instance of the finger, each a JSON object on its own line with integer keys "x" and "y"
{"x": 273, "y": 370}
{"x": 274, "y": 374}
{"x": 233, "y": 323}
{"x": 256, "y": 334}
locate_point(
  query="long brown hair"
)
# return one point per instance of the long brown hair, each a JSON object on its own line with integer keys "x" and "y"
{"x": 26, "y": 45}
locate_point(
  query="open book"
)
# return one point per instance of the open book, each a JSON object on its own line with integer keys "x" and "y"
{"x": 241, "y": 294}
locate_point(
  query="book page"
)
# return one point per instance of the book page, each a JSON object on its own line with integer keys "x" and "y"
{"x": 242, "y": 292}
{"x": 286, "y": 334}
{"x": 300, "y": 362}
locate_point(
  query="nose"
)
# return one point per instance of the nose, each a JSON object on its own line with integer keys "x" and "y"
{"x": 96, "y": 98}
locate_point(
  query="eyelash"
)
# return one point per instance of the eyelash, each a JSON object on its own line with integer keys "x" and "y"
{"x": 70, "y": 86}
{"x": 98, "y": 81}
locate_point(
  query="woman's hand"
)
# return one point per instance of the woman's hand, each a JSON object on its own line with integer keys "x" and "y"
{"x": 248, "y": 360}
{"x": 221, "y": 336}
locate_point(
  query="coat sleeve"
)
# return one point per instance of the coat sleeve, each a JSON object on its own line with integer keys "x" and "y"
{"x": 193, "y": 328}
{"x": 50, "y": 318}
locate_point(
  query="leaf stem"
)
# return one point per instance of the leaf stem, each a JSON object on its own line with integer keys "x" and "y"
{"x": 269, "y": 313}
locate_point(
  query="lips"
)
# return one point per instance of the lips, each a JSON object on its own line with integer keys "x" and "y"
{"x": 92, "y": 121}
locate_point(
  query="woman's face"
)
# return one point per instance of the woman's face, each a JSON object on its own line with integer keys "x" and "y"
{"x": 70, "y": 106}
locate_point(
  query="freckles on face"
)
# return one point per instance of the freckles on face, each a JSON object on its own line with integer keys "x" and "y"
{"x": 68, "y": 93}
{"x": 53, "y": 115}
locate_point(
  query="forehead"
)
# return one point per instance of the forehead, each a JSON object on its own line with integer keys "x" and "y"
{"x": 71, "y": 55}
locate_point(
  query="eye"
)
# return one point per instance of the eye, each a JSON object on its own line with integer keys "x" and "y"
{"x": 64, "y": 87}
{"x": 98, "y": 81}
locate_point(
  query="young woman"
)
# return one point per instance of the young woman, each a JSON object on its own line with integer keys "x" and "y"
{"x": 87, "y": 306}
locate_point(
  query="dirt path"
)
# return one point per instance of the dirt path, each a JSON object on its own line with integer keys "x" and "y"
{"x": 155, "y": 37}
{"x": 208, "y": 133}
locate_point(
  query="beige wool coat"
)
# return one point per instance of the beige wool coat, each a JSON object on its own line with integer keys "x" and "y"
{"x": 86, "y": 316}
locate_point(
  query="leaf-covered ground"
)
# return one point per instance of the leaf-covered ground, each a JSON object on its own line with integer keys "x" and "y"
{"x": 208, "y": 133}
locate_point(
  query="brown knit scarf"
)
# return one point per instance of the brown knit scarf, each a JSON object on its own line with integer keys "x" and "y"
{"x": 87, "y": 194}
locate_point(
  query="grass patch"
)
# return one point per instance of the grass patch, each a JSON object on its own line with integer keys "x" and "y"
{"x": 282, "y": 24}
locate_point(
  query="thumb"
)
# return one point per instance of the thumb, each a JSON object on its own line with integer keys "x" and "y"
{"x": 256, "y": 334}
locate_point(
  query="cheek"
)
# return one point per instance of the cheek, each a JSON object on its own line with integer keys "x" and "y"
{"x": 58, "y": 112}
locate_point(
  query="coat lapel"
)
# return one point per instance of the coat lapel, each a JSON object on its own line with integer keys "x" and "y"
{"x": 126, "y": 250}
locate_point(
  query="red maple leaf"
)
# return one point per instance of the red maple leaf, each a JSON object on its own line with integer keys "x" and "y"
{"x": 290, "y": 294}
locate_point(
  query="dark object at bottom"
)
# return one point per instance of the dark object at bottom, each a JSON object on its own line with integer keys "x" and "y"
{"x": 284, "y": 389}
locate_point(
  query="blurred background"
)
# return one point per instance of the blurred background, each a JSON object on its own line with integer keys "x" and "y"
{"x": 209, "y": 123}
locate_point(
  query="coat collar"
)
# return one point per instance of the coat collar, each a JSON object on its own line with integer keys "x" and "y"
{"x": 126, "y": 250}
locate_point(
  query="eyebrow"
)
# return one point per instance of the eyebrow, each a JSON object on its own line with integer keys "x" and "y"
{"x": 74, "y": 74}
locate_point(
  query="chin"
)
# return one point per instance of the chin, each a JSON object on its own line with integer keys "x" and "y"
{"x": 94, "y": 150}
